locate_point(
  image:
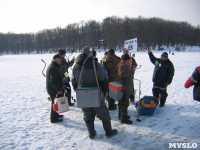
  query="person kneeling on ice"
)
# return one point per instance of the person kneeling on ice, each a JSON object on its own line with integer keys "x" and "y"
{"x": 54, "y": 84}
{"x": 89, "y": 80}
{"x": 124, "y": 75}
{"x": 162, "y": 76}
{"x": 194, "y": 80}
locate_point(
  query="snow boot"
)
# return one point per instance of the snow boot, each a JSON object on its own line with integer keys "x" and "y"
{"x": 108, "y": 129}
{"x": 90, "y": 127}
{"x": 56, "y": 120}
{"x": 125, "y": 119}
{"x": 132, "y": 98}
{"x": 125, "y": 116}
{"x": 60, "y": 116}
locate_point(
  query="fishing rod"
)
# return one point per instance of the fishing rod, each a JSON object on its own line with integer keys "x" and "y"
{"x": 44, "y": 67}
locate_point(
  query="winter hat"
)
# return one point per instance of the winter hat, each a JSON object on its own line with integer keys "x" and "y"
{"x": 56, "y": 56}
{"x": 125, "y": 57}
{"x": 61, "y": 52}
{"x": 106, "y": 53}
{"x": 164, "y": 54}
{"x": 124, "y": 50}
{"x": 86, "y": 50}
{"x": 111, "y": 52}
{"x": 94, "y": 53}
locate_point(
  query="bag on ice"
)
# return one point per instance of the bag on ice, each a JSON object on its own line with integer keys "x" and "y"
{"x": 147, "y": 105}
{"x": 61, "y": 104}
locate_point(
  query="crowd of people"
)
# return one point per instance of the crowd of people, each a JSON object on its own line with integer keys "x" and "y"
{"x": 111, "y": 68}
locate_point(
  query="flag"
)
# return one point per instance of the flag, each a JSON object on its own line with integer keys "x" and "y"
{"x": 131, "y": 45}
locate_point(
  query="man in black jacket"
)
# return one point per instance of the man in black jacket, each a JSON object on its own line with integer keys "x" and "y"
{"x": 162, "y": 77}
{"x": 88, "y": 79}
{"x": 54, "y": 83}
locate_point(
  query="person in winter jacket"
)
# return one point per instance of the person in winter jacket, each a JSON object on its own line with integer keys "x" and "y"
{"x": 124, "y": 75}
{"x": 134, "y": 66}
{"x": 111, "y": 62}
{"x": 194, "y": 80}
{"x": 88, "y": 79}
{"x": 65, "y": 74}
{"x": 162, "y": 76}
{"x": 54, "y": 83}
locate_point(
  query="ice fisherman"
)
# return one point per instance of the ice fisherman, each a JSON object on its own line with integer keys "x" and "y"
{"x": 134, "y": 66}
{"x": 65, "y": 74}
{"x": 54, "y": 85}
{"x": 194, "y": 80}
{"x": 111, "y": 63}
{"x": 162, "y": 76}
{"x": 124, "y": 75}
{"x": 89, "y": 80}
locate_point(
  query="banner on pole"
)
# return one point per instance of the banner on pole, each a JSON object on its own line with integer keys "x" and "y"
{"x": 131, "y": 45}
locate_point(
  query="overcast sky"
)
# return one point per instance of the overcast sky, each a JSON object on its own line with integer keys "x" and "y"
{"x": 24, "y": 16}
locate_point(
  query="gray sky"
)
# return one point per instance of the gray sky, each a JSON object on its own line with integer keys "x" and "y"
{"x": 23, "y": 16}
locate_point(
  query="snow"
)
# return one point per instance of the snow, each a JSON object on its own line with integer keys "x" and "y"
{"x": 25, "y": 110}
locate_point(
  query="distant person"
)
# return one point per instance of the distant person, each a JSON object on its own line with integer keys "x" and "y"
{"x": 65, "y": 74}
{"x": 133, "y": 66}
{"x": 94, "y": 54}
{"x": 111, "y": 63}
{"x": 162, "y": 76}
{"x": 124, "y": 75}
{"x": 54, "y": 84}
{"x": 103, "y": 60}
{"x": 194, "y": 80}
{"x": 90, "y": 81}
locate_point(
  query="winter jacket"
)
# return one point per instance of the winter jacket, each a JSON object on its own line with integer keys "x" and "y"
{"x": 111, "y": 64}
{"x": 163, "y": 71}
{"x": 64, "y": 68}
{"x": 124, "y": 75}
{"x": 194, "y": 80}
{"x": 88, "y": 76}
{"x": 54, "y": 79}
{"x": 133, "y": 62}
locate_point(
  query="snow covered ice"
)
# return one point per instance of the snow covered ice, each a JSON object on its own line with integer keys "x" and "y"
{"x": 25, "y": 110}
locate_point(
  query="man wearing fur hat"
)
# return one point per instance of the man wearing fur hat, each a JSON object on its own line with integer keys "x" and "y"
{"x": 65, "y": 74}
{"x": 88, "y": 79}
{"x": 162, "y": 76}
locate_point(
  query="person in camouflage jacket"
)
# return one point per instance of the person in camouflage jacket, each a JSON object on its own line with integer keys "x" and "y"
{"x": 111, "y": 63}
{"x": 124, "y": 75}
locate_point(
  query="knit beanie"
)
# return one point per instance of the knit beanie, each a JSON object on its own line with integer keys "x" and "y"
{"x": 164, "y": 54}
{"x": 61, "y": 52}
{"x": 56, "y": 56}
{"x": 111, "y": 52}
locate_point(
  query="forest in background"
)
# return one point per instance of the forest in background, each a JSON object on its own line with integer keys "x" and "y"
{"x": 110, "y": 33}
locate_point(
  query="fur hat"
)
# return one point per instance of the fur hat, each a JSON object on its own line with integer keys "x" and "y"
{"x": 56, "y": 56}
{"x": 61, "y": 52}
{"x": 125, "y": 57}
{"x": 86, "y": 50}
{"x": 164, "y": 54}
{"x": 111, "y": 52}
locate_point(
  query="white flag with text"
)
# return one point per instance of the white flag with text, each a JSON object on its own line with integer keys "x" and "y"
{"x": 131, "y": 45}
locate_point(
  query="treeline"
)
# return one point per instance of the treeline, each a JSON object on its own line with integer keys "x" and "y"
{"x": 110, "y": 33}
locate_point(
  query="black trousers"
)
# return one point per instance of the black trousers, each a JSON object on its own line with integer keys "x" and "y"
{"x": 68, "y": 94}
{"x": 160, "y": 93}
{"x": 53, "y": 114}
